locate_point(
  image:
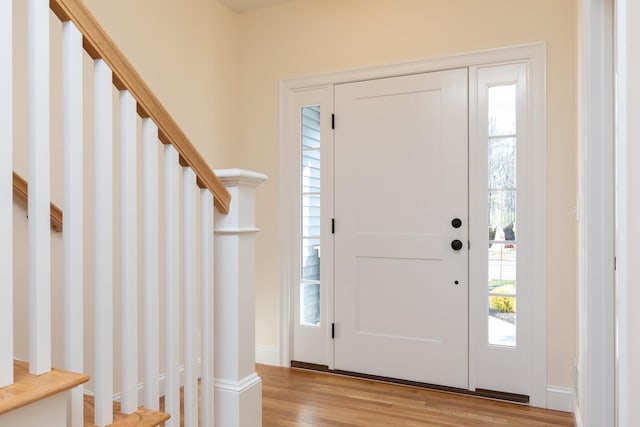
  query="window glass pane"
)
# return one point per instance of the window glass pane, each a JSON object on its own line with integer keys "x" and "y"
{"x": 310, "y": 303}
{"x": 502, "y": 321}
{"x": 502, "y": 163}
{"x": 502, "y": 260}
{"x": 310, "y": 259}
{"x": 502, "y": 215}
{"x": 310, "y": 216}
{"x": 311, "y": 127}
{"x": 311, "y": 171}
{"x": 502, "y": 110}
{"x": 502, "y": 267}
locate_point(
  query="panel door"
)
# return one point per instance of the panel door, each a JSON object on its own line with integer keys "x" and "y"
{"x": 401, "y": 231}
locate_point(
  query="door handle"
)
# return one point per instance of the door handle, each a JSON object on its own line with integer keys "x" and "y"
{"x": 456, "y": 245}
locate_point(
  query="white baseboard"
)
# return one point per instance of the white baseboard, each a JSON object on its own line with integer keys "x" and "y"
{"x": 267, "y": 355}
{"x": 162, "y": 379}
{"x": 576, "y": 413}
{"x": 560, "y": 398}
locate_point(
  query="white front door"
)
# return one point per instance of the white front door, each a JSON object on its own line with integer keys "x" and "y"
{"x": 401, "y": 259}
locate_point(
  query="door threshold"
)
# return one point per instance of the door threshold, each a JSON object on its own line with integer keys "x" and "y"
{"x": 490, "y": 394}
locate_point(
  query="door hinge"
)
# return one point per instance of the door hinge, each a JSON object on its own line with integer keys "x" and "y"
{"x": 615, "y": 263}
{"x": 333, "y": 331}
{"x": 468, "y": 244}
{"x": 333, "y": 226}
{"x": 333, "y": 121}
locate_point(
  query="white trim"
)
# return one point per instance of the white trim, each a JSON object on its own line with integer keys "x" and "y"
{"x": 238, "y": 386}
{"x": 240, "y": 177}
{"x": 235, "y": 232}
{"x": 627, "y": 13}
{"x": 576, "y": 412}
{"x": 162, "y": 379}
{"x": 268, "y": 355}
{"x": 495, "y": 367}
{"x": 595, "y": 229}
{"x": 560, "y": 398}
{"x": 238, "y": 403}
{"x": 462, "y": 60}
{"x": 535, "y": 54}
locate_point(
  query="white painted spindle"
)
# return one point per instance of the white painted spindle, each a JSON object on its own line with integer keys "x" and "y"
{"x": 190, "y": 284}
{"x": 103, "y": 169}
{"x": 38, "y": 47}
{"x": 6, "y": 193}
{"x": 151, "y": 264}
{"x": 207, "y": 307}
{"x": 172, "y": 284}
{"x": 72, "y": 117}
{"x": 128, "y": 252}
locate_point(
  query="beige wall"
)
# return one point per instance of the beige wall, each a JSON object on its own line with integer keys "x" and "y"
{"x": 186, "y": 51}
{"x": 307, "y": 37}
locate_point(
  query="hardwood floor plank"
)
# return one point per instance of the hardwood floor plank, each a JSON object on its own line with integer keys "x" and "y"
{"x": 295, "y": 397}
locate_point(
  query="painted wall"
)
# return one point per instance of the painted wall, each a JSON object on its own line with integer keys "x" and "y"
{"x": 186, "y": 51}
{"x": 308, "y": 37}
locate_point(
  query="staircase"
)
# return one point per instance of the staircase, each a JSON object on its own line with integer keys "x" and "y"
{"x": 156, "y": 250}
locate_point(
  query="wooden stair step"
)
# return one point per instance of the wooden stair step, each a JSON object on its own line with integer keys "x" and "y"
{"x": 143, "y": 417}
{"x": 27, "y": 389}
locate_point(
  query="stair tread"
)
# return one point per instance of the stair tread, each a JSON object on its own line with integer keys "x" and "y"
{"x": 27, "y": 388}
{"x": 143, "y": 417}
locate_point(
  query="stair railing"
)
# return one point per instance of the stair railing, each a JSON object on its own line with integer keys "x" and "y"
{"x": 189, "y": 190}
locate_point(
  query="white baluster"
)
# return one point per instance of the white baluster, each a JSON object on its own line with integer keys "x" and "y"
{"x": 151, "y": 264}
{"x": 129, "y": 252}
{"x": 73, "y": 212}
{"x": 207, "y": 307}
{"x": 172, "y": 284}
{"x": 6, "y": 193}
{"x": 190, "y": 283}
{"x": 39, "y": 187}
{"x": 103, "y": 169}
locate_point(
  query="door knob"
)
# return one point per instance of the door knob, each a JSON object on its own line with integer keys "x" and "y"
{"x": 456, "y": 223}
{"x": 456, "y": 245}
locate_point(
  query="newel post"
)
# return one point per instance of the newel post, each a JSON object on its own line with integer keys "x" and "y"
{"x": 238, "y": 388}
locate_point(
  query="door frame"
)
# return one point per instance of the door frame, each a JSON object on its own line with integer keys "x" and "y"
{"x": 535, "y": 56}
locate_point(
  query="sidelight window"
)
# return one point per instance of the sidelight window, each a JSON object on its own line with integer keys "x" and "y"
{"x": 310, "y": 216}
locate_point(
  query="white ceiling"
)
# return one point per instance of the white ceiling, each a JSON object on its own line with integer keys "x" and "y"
{"x": 242, "y": 5}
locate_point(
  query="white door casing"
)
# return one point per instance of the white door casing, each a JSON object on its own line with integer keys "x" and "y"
{"x": 534, "y": 56}
{"x": 401, "y": 291}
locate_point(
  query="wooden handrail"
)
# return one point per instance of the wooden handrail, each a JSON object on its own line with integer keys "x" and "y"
{"x": 99, "y": 45}
{"x": 21, "y": 191}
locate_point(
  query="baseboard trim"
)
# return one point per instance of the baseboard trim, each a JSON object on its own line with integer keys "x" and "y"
{"x": 267, "y": 355}
{"x": 576, "y": 412}
{"x": 560, "y": 398}
{"x": 162, "y": 380}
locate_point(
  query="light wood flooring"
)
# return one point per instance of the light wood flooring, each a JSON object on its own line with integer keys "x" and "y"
{"x": 294, "y": 397}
